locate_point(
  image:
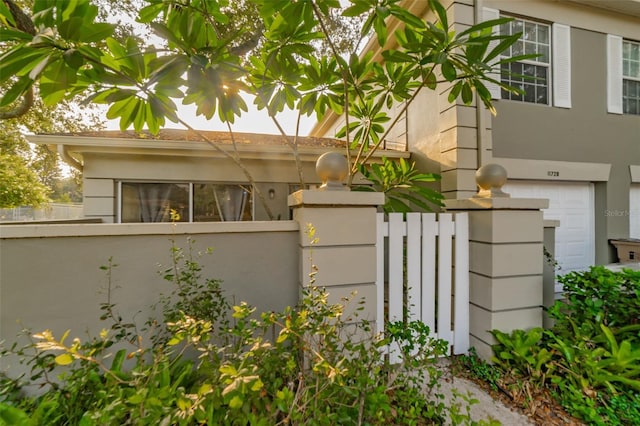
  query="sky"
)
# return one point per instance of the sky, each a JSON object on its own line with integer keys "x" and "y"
{"x": 253, "y": 121}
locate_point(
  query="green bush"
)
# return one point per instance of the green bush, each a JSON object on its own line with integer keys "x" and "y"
{"x": 590, "y": 359}
{"x": 211, "y": 363}
{"x": 598, "y": 296}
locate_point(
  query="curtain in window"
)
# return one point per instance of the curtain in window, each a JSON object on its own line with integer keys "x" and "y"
{"x": 230, "y": 201}
{"x": 154, "y": 202}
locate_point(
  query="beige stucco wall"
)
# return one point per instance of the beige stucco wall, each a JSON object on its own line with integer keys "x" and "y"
{"x": 50, "y": 275}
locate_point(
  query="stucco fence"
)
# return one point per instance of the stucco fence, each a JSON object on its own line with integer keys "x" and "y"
{"x": 50, "y": 275}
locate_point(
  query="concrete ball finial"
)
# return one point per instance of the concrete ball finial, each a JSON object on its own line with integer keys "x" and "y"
{"x": 332, "y": 168}
{"x": 490, "y": 179}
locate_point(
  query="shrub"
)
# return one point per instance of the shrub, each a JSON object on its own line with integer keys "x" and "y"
{"x": 590, "y": 359}
{"x": 596, "y": 296}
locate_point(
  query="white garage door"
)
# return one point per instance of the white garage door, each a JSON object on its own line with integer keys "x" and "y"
{"x": 634, "y": 206}
{"x": 572, "y": 204}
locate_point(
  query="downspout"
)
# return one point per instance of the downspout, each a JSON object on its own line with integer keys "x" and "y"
{"x": 483, "y": 155}
{"x": 67, "y": 158}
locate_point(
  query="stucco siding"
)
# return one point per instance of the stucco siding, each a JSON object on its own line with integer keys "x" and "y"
{"x": 584, "y": 133}
{"x": 55, "y": 282}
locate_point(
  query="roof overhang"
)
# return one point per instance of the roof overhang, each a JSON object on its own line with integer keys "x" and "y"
{"x": 627, "y": 7}
{"x": 247, "y": 146}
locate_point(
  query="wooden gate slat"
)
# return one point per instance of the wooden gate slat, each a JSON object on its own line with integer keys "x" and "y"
{"x": 429, "y": 234}
{"x": 396, "y": 273}
{"x": 445, "y": 235}
{"x": 414, "y": 299}
{"x": 461, "y": 281}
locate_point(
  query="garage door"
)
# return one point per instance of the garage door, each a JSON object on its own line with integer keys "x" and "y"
{"x": 634, "y": 205}
{"x": 572, "y": 204}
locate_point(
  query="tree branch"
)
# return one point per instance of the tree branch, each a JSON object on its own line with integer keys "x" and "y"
{"x": 25, "y": 24}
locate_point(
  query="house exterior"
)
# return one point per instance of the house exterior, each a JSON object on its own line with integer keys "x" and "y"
{"x": 133, "y": 177}
{"x": 573, "y": 137}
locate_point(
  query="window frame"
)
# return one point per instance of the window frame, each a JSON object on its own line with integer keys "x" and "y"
{"x": 631, "y": 78}
{"x": 535, "y": 62}
{"x": 559, "y": 78}
{"x": 191, "y": 196}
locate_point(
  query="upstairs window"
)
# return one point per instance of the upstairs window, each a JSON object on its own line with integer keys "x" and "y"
{"x": 630, "y": 77}
{"x": 531, "y": 75}
{"x": 544, "y": 79}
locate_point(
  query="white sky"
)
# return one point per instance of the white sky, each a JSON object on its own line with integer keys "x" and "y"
{"x": 253, "y": 121}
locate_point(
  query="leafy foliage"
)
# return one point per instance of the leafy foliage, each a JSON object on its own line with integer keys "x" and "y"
{"x": 401, "y": 183}
{"x": 599, "y": 296}
{"x": 590, "y": 359}
{"x": 212, "y": 363}
{"x": 19, "y": 185}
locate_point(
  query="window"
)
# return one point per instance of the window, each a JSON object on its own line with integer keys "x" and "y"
{"x": 214, "y": 202}
{"x": 532, "y": 75}
{"x": 630, "y": 77}
{"x": 184, "y": 202}
{"x": 545, "y": 79}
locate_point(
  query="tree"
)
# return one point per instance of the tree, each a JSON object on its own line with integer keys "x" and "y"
{"x": 36, "y": 171}
{"x": 199, "y": 62}
{"x": 18, "y": 184}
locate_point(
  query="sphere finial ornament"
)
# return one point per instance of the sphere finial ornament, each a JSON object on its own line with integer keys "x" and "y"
{"x": 490, "y": 179}
{"x": 332, "y": 168}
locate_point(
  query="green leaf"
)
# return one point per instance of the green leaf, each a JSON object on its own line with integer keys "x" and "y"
{"x": 467, "y": 94}
{"x": 13, "y": 416}
{"x": 357, "y": 9}
{"x": 18, "y": 61}
{"x": 56, "y": 81}
{"x": 73, "y": 58}
{"x": 35, "y": 71}
{"x": 6, "y": 17}
{"x": 96, "y": 32}
{"x": 407, "y": 17}
{"x": 441, "y": 12}
{"x": 136, "y": 399}
{"x": 455, "y": 91}
{"x": 150, "y": 12}
{"x": 236, "y": 402}
{"x": 501, "y": 47}
{"x": 17, "y": 90}
{"x": 64, "y": 359}
{"x": 484, "y": 25}
{"x": 448, "y": 70}
{"x": 71, "y": 29}
{"x": 118, "y": 359}
{"x": 8, "y": 34}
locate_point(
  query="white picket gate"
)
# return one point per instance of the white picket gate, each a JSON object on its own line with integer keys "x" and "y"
{"x": 436, "y": 272}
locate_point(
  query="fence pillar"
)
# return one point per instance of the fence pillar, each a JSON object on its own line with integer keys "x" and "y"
{"x": 505, "y": 262}
{"x": 344, "y": 249}
{"x": 549, "y": 269}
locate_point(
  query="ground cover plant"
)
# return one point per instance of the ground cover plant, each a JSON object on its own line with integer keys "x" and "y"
{"x": 208, "y": 362}
{"x": 589, "y": 362}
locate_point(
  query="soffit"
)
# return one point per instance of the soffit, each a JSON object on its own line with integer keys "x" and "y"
{"x": 627, "y": 7}
{"x": 186, "y": 144}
